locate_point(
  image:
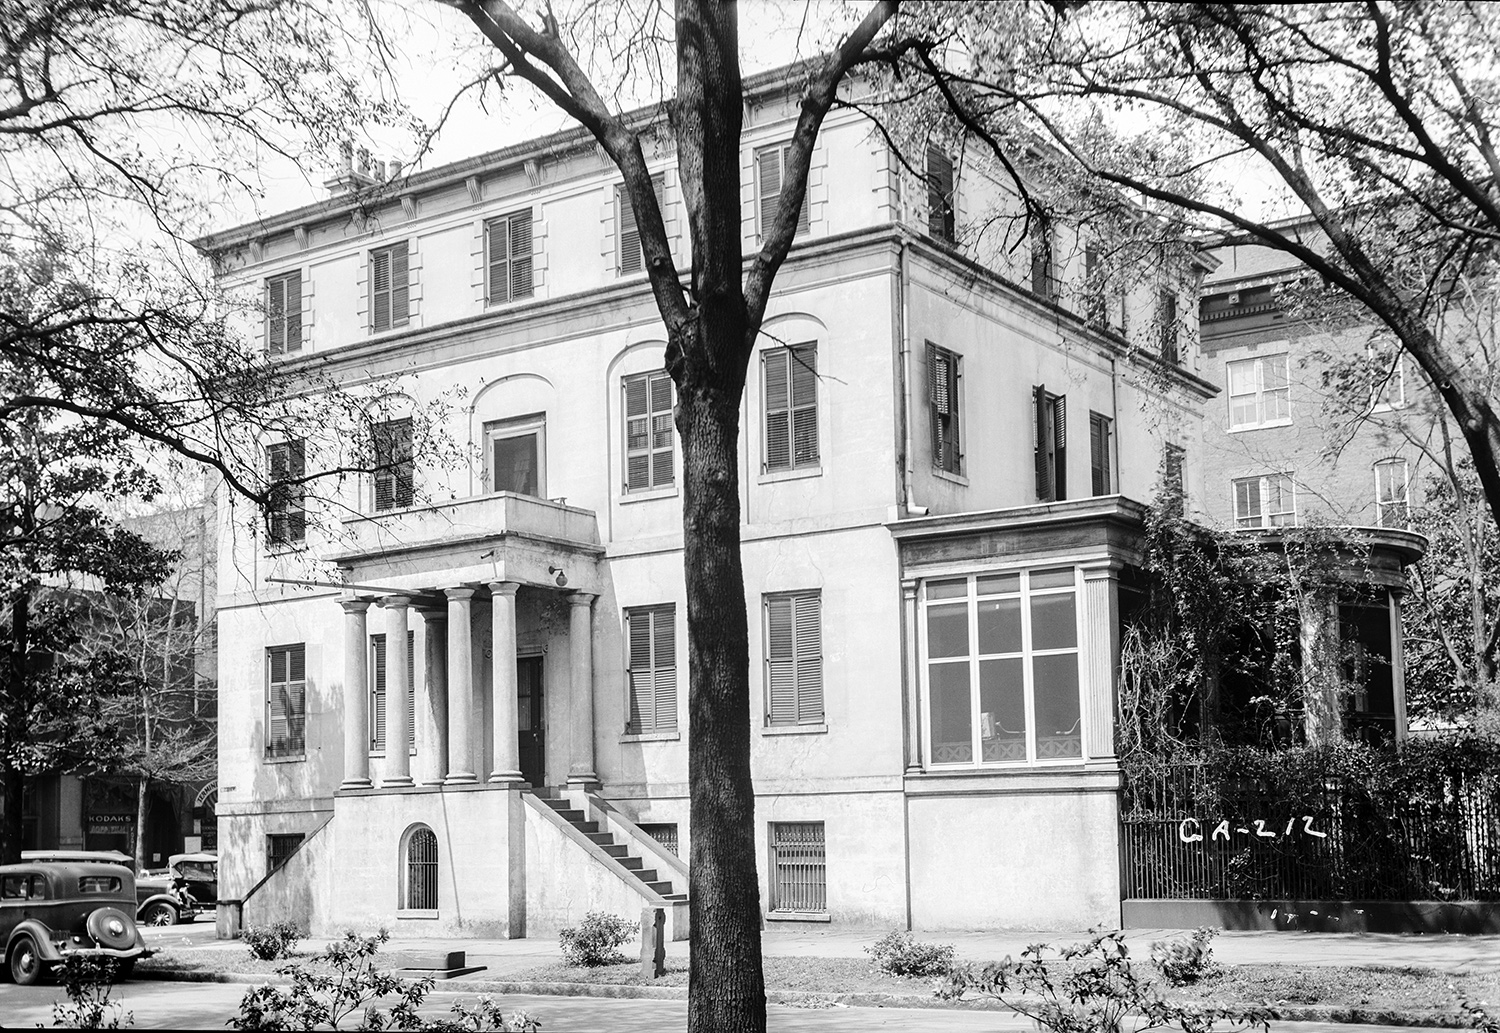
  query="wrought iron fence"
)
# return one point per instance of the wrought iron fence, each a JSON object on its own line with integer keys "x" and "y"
{"x": 1188, "y": 833}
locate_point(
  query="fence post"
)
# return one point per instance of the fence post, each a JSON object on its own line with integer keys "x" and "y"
{"x": 653, "y": 943}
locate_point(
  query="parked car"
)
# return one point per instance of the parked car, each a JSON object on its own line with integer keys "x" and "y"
{"x": 160, "y": 899}
{"x": 200, "y": 877}
{"x": 50, "y": 911}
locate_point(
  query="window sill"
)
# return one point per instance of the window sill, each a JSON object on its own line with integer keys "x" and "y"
{"x": 391, "y": 329}
{"x": 651, "y": 736}
{"x": 797, "y": 916}
{"x": 818, "y": 729}
{"x": 956, "y": 478}
{"x": 1258, "y": 426}
{"x": 289, "y": 759}
{"x": 290, "y": 549}
{"x": 796, "y": 473}
{"x": 416, "y": 912}
{"x": 648, "y": 495}
{"x": 376, "y": 754}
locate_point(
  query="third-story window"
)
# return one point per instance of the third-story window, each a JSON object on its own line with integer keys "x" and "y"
{"x": 1392, "y": 494}
{"x": 1100, "y": 431}
{"x": 794, "y": 659}
{"x": 770, "y": 175}
{"x": 390, "y": 287}
{"x": 508, "y": 257}
{"x": 1050, "y": 444}
{"x": 286, "y": 465}
{"x": 630, "y": 256}
{"x": 1259, "y": 392}
{"x": 393, "y": 465}
{"x": 648, "y": 431}
{"x": 286, "y": 700}
{"x": 1269, "y": 500}
{"x": 1166, "y": 316}
{"x": 652, "y": 639}
{"x": 284, "y": 313}
{"x": 791, "y": 381}
{"x": 1043, "y": 256}
{"x": 940, "y": 195}
{"x": 944, "y": 401}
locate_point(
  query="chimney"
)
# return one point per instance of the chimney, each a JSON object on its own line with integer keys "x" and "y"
{"x": 353, "y": 170}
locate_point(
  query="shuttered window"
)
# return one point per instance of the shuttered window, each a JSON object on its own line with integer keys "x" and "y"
{"x": 799, "y": 867}
{"x": 652, "y": 673}
{"x": 649, "y": 440}
{"x": 508, "y": 255}
{"x": 286, "y": 700}
{"x": 943, "y": 398}
{"x": 286, "y": 465}
{"x": 378, "y": 687}
{"x": 284, "y": 313}
{"x": 940, "y": 194}
{"x": 1166, "y": 314}
{"x": 1050, "y": 444}
{"x": 1100, "y": 429}
{"x": 392, "y": 453}
{"x": 770, "y": 174}
{"x": 791, "y": 386}
{"x": 1043, "y": 248}
{"x": 390, "y": 287}
{"x": 631, "y": 259}
{"x": 794, "y": 659}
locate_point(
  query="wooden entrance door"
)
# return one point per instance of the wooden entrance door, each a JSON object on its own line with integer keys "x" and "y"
{"x": 531, "y": 723}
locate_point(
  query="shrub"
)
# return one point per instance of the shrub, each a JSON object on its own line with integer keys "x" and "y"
{"x": 596, "y": 940}
{"x": 272, "y": 943}
{"x": 901, "y": 955}
{"x": 1185, "y": 961}
{"x": 88, "y": 982}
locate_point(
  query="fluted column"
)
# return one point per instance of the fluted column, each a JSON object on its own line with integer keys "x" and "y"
{"x": 581, "y": 703}
{"x": 431, "y": 732}
{"x": 356, "y": 696}
{"x": 460, "y": 687}
{"x": 397, "y": 694}
{"x": 503, "y": 652}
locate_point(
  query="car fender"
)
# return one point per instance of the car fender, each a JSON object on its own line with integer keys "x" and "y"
{"x": 39, "y": 934}
{"x": 159, "y": 898}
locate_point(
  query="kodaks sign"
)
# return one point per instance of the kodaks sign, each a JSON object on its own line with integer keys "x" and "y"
{"x": 1190, "y": 830}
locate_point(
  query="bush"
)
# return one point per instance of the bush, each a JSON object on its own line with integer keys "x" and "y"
{"x": 901, "y": 955}
{"x": 596, "y": 940}
{"x": 1185, "y": 961}
{"x": 88, "y": 982}
{"x": 273, "y": 943}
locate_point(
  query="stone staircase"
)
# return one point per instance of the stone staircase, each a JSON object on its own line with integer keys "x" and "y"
{"x": 651, "y": 880}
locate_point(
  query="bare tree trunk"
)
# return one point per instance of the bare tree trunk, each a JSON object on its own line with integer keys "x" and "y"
{"x": 13, "y": 730}
{"x": 142, "y": 798}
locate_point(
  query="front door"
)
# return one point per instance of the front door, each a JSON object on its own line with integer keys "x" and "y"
{"x": 531, "y": 720}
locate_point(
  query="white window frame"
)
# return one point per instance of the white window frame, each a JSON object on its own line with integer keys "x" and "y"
{"x": 270, "y": 752}
{"x": 1381, "y": 400}
{"x": 1382, "y": 503}
{"x": 652, "y": 451}
{"x": 518, "y": 427}
{"x": 1027, "y": 656}
{"x": 1260, "y": 392}
{"x": 1263, "y": 517}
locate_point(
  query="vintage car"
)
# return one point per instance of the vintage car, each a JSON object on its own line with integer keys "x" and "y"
{"x": 50, "y": 911}
{"x": 199, "y": 875}
{"x": 160, "y": 899}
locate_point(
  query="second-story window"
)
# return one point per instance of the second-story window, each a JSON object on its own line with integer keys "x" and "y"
{"x": 516, "y": 455}
{"x": 944, "y": 401}
{"x": 794, "y": 658}
{"x": 286, "y": 465}
{"x": 652, "y": 669}
{"x": 791, "y": 382}
{"x": 648, "y": 431}
{"x": 630, "y": 258}
{"x": 508, "y": 255}
{"x": 286, "y": 700}
{"x": 1392, "y": 493}
{"x": 393, "y": 465}
{"x": 1269, "y": 500}
{"x": 940, "y": 195}
{"x": 390, "y": 287}
{"x": 1100, "y": 432}
{"x": 1051, "y": 444}
{"x": 284, "y": 313}
{"x": 770, "y": 175}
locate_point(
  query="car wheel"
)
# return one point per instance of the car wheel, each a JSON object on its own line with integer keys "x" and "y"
{"x": 26, "y": 965}
{"x": 159, "y": 914}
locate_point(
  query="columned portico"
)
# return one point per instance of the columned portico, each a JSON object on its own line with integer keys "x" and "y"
{"x": 398, "y": 694}
{"x": 356, "y": 688}
{"x": 503, "y": 650}
{"x": 581, "y": 706}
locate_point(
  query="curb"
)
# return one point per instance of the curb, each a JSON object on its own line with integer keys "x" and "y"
{"x": 813, "y": 998}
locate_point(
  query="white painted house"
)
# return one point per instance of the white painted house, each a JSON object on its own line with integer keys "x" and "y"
{"x": 939, "y": 462}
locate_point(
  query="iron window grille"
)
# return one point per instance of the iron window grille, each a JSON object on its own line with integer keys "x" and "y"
{"x": 799, "y": 867}
{"x": 281, "y": 847}
{"x": 421, "y": 870}
{"x": 664, "y": 832}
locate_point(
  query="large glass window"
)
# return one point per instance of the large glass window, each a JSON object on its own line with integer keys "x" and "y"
{"x": 1260, "y": 393}
{"x": 1001, "y": 658}
{"x": 516, "y": 455}
{"x": 1266, "y": 501}
{"x": 286, "y": 700}
{"x": 1392, "y": 493}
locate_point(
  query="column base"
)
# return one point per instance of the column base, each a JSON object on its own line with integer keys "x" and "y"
{"x": 506, "y": 776}
{"x": 397, "y": 782}
{"x": 460, "y": 778}
{"x": 583, "y": 780}
{"x": 356, "y": 783}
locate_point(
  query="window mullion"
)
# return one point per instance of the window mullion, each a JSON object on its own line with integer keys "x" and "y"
{"x": 1028, "y": 683}
{"x": 976, "y": 743}
{"x": 924, "y": 679}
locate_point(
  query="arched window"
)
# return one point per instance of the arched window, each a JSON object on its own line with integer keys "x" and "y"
{"x": 420, "y": 860}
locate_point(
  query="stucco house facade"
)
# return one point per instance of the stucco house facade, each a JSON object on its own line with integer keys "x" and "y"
{"x": 464, "y": 712}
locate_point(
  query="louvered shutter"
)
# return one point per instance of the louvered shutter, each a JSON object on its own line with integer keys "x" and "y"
{"x": 803, "y": 360}
{"x": 940, "y": 195}
{"x": 664, "y": 663}
{"x": 663, "y": 471}
{"x": 775, "y": 363}
{"x": 377, "y": 692}
{"x": 276, "y": 315}
{"x": 769, "y": 174}
{"x": 1060, "y": 447}
{"x": 276, "y": 470}
{"x": 497, "y": 259}
{"x": 629, "y": 241}
{"x": 292, "y": 289}
{"x": 781, "y": 661}
{"x": 642, "y": 685}
{"x": 942, "y": 370}
{"x": 809, "y": 658}
{"x": 520, "y": 255}
{"x": 804, "y": 214}
{"x": 637, "y": 434}
{"x": 296, "y": 697}
{"x": 380, "y": 290}
{"x": 400, "y": 284}
{"x": 276, "y": 702}
{"x": 1043, "y": 443}
{"x": 1099, "y": 453}
{"x": 296, "y": 469}
{"x": 411, "y": 688}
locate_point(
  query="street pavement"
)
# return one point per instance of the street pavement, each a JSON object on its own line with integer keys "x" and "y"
{"x": 209, "y": 1005}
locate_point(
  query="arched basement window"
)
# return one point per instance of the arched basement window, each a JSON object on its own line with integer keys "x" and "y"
{"x": 420, "y": 890}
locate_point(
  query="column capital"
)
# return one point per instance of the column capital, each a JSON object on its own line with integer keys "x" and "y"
{"x": 581, "y": 598}
{"x": 459, "y": 593}
{"x": 396, "y": 602}
{"x": 432, "y": 611}
{"x": 355, "y": 605}
{"x": 504, "y": 587}
{"x": 909, "y": 587}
